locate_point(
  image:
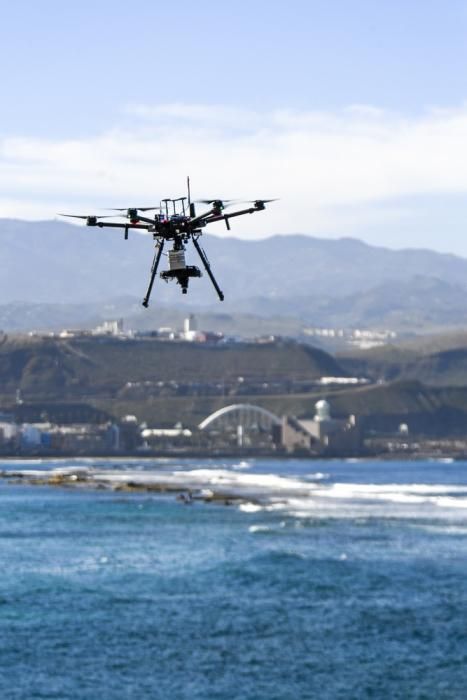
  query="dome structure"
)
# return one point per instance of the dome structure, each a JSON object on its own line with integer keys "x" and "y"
{"x": 323, "y": 410}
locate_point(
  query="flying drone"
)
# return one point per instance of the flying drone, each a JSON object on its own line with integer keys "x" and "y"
{"x": 176, "y": 222}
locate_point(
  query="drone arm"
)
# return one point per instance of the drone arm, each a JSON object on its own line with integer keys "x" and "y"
{"x": 250, "y": 210}
{"x": 146, "y": 220}
{"x": 226, "y": 217}
{"x": 102, "y": 224}
{"x": 155, "y": 265}
{"x": 207, "y": 267}
{"x": 199, "y": 219}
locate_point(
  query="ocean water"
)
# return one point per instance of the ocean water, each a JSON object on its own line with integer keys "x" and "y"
{"x": 339, "y": 579}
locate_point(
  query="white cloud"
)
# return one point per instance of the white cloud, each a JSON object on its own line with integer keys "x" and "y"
{"x": 334, "y": 172}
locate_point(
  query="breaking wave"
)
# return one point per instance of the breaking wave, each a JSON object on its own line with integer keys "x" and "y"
{"x": 310, "y": 494}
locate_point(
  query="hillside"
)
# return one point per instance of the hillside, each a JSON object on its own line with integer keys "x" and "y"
{"x": 163, "y": 383}
{"x": 437, "y": 362}
{"x": 90, "y": 367}
{"x": 430, "y": 411}
{"x": 18, "y": 317}
{"x": 331, "y": 283}
{"x": 419, "y": 304}
{"x": 435, "y": 411}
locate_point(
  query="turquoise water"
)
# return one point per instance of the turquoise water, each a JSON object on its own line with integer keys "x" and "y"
{"x": 355, "y": 589}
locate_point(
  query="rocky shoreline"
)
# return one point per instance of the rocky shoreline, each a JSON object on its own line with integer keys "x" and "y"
{"x": 198, "y": 484}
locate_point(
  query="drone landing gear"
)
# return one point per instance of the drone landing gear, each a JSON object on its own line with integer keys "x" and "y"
{"x": 207, "y": 267}
{"x": 154, "y": 267}
{"x": 179, "y": 270}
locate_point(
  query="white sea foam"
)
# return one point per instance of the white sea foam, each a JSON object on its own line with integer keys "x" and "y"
{"x": 311, "y": 496}
{"x": 372, "y": 500}
{"x": 442, "y": 528}
{"x": 448, "y": 502}
{"x": 260, "y": 528}
{"x": 344, "y": 490}
{"x": 242, "y": 465}
{"x": 250, "y": 508}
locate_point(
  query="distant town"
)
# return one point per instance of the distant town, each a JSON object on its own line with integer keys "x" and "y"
{"x": 355, "y": 337}
{"x": 112, "y": 391}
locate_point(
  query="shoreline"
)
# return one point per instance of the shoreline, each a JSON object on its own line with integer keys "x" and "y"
{"x": 230, "y": 454}
{"x": 217, "y": 485}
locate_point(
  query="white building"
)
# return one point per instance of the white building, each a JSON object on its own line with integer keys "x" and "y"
{"x": 322, "y": 432}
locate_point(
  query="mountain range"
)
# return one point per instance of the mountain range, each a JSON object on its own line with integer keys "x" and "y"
{"x": 54, "y": 271}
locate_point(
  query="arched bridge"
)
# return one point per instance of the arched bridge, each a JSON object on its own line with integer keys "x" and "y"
{"x": 241, "y": 414}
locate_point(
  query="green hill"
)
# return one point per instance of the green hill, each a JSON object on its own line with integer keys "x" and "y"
{"x": 164, "y": 382}
{"x": 429, "y": 411}
{"x": 437, "y": 361}
{"x": 92, "y": 367}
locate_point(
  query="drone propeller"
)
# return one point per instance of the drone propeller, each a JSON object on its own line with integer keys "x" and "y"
{"x": 259, "y": 204}
{"x": 230, "y": 202}
{"x": 260, "y": 201}
{"x": 217, "y": 199}
{"x": 133, "y": 208}
{"x": 87, "y": 216}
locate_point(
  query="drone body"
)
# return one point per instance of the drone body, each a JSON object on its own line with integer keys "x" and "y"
{"x": 176, "y": 223}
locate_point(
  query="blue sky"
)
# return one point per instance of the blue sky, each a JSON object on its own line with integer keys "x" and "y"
{"x": 353, "y": 112}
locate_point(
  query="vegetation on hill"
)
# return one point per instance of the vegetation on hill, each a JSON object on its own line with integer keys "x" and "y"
{"x": 431, "y": 411}
{"x": 163, "y": 383}
{"x": 412, "y": 361}
{"x": 87, "y": 366}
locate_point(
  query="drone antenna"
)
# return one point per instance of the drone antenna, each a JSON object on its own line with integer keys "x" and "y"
{"x": 191, "y": 207}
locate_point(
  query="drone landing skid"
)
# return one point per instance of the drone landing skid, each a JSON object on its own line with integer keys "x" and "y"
{"x": 155, "y": 265}
{"x": 207, "y": 267}
{"x": 179, "y": 271}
